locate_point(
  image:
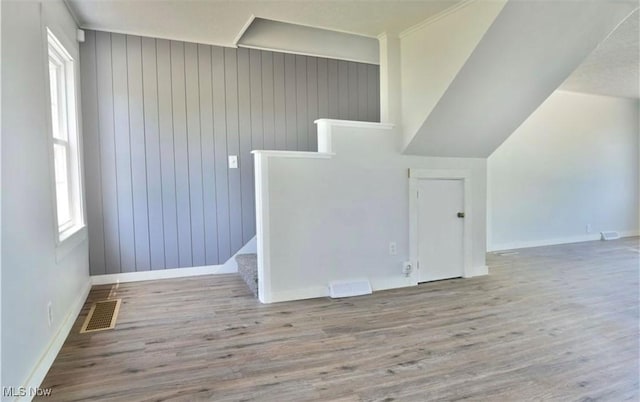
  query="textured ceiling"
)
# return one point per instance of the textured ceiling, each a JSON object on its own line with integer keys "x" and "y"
{"x": 613, "y": 68}
{"x": 219, "y": 22}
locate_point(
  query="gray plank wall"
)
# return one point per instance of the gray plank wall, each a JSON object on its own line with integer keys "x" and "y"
{"x": 159, "y": 120}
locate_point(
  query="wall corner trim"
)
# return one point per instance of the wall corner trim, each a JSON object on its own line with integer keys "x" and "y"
{"x": 44, "y": 364}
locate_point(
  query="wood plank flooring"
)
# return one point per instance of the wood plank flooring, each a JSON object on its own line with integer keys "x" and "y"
{"x": 555, "y": 323}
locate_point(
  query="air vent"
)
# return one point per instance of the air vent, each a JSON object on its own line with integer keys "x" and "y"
{"x": 506, "y": 253}
{"x": 338, "y": 289}
{"x": 609, "y": 235}
{"x": 102, "y": 316}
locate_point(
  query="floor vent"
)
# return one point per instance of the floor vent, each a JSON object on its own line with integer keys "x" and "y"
{"x": 609, "y": 235}
{"x": 506, "y": 253}
{"x": 103, "y": 315}
{"x": 338, "y": 289}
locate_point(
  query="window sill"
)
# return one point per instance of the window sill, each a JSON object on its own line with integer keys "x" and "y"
{"x": 69, "y": 240}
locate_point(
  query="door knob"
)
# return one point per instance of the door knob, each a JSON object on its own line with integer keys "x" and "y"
{"x": 460, "y": 214}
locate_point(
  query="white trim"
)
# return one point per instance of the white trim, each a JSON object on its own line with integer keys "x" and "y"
{"x": 479, "y": 271}
{"x": 243, "y": 29}
{"x": 154, "y": 35}
{"x": 435, "y": 174}
{"x": 261, "y": 163}
{"x": 447, "y": 11}
{"x": 377, "y": 284}
{"x": 312, "y": 292}
{"x": 355, "y": 123}
{"x": 299, "y": 53}
{"x": 295, "y": 154}
{"x": 161, "y": 274}
{"x": 555, "y": 241}
{"x": 44, "y": 364}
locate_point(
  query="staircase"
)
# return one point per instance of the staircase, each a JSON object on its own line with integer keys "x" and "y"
{"x": 248, "y": 270}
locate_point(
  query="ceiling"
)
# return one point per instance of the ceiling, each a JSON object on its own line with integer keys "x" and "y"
{"x": 613, "y": 68}
{"x": 220, "y": 22}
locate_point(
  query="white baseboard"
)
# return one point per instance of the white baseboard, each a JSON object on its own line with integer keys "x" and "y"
{"x": 298, "y": 294}
{"x": 161, "y": 274}
{"x": 555, "y": 241}
{"x": 229, "y": 267}
{"x": 479, "y": 271}
{"x": 45, "y": 362}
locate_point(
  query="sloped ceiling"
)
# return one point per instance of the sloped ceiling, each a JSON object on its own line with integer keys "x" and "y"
{"x": 613, "y": 69}
{"x": 530, "y": 50}
{"x": 220, "y": 22}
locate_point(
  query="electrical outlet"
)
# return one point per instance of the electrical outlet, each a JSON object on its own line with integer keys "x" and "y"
{"x": 50, "y": 313}
{"x": 406, "y": 268}
{"x": 233, "y": 161}
{"x": 588, "y": 228}
{"x": 393, "y": 248}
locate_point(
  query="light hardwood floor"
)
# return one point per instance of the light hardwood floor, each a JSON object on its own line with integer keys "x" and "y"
{"x": 551, "y": 323}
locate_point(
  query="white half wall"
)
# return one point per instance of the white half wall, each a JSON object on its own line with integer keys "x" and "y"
{"x": 32, "y": 274}
{"x": 331, "y": 215}
{"x": 572, "y": 163}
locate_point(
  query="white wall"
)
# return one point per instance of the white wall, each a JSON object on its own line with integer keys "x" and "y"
{"x": 299, "y": 39}
{"x": 573, "y": 162}
{"x": 332, "y": 218}
{"x": 31, "y": 275}
{"x": 433, "y": 52}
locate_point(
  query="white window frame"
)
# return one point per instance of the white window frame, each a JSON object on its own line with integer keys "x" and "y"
{"x": 67, "y": 89}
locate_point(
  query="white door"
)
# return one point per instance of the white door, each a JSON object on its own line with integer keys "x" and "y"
{"x": 440, "y": 229}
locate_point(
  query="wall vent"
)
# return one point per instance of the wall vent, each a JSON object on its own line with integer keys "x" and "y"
{"x": 338, "y": 289}
{"x": 609, "y": 235}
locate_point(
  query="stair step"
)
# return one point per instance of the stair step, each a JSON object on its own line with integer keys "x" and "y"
{"x": 248, "y": 270}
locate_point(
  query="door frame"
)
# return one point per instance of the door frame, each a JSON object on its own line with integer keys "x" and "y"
{"x": 440, "y": 174}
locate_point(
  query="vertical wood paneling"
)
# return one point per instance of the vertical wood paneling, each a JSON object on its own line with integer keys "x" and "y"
{"x": 312, "y": 102}
{"x": 372, "y": 92}
{"x": 233, "y": 146}
{"x": 290, "y": 109}
{"x": 302, "y": 127}
{"x": 257, "y": 142}
{"x": 167, "y": 155}
{"x": 332, "y": 89}
{"x": 181, "y": 153}
{"x": 194, "y": 151}
{"x": 280, "y": 105}
{"x": 323, "y": 89}
{"x": 138, "y": 157}
{"x": 91, "y": 144}
{"x": 343, "y": 90}
{"x": 362, "y": 91}
{"x": 152, "y": 153}
{"x": 352, "y": 93}
{"x": 376, "y": 92}
{"x": 123, "y": 153}
{"x": 220, "y": 137}
{"x": 106, "y": 134}
{"x": 160, "y": 119}
{"x": 268, "y": 100}
{"x": 245, "y": 137}
{"x": 210, "y": 212}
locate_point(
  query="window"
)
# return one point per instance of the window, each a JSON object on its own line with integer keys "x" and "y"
{"x": 66, "y": 172}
